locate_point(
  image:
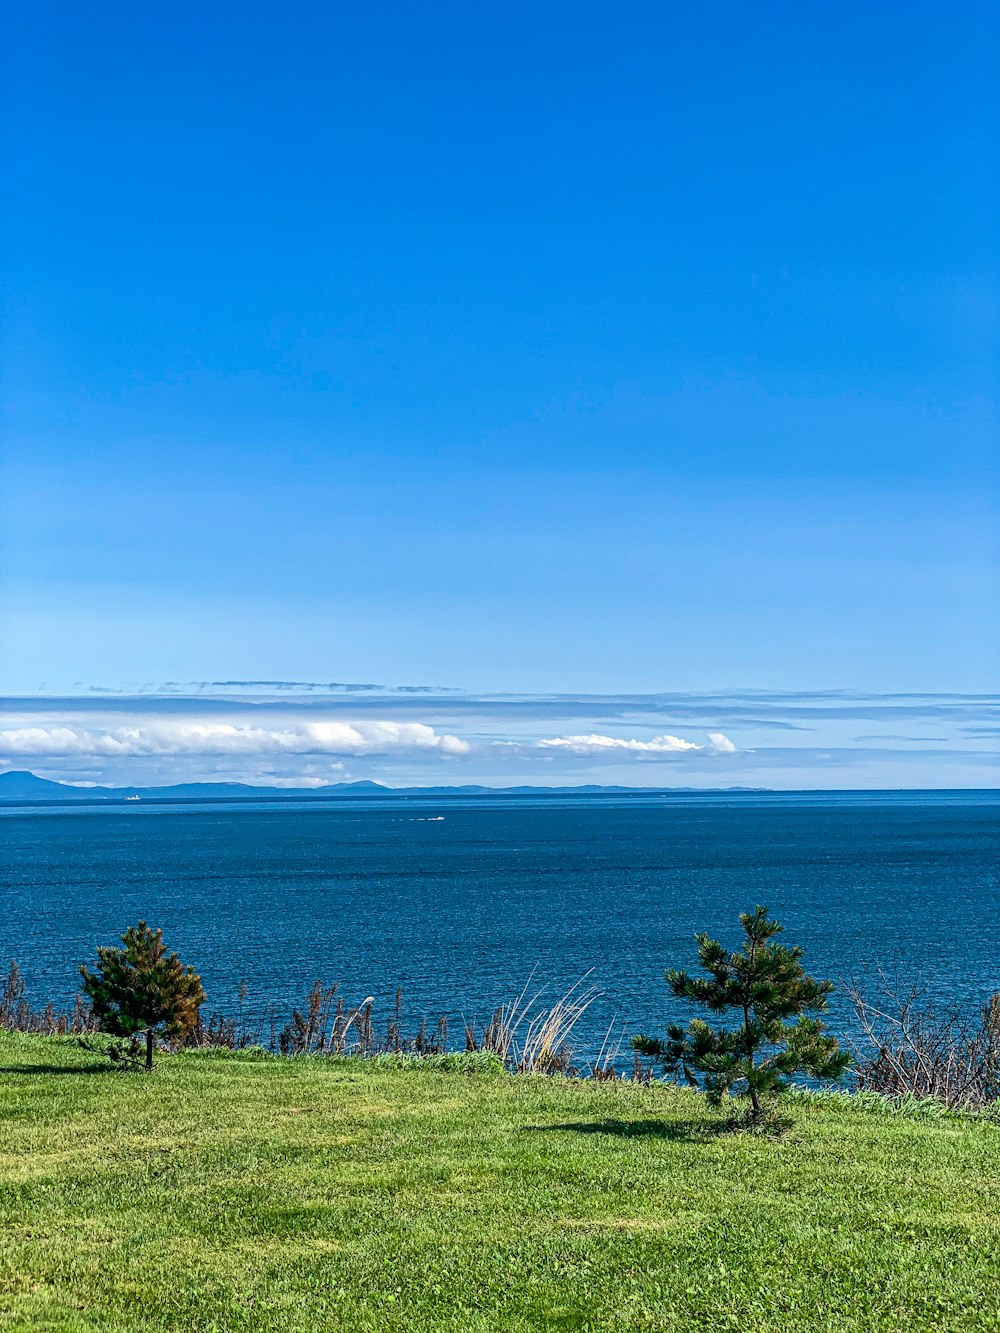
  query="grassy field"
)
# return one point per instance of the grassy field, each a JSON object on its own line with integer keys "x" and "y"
{"x": 228, "y": 1192}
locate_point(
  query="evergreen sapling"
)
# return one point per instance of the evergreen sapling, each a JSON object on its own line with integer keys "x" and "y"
{"x": 143, "y": 988}
{"x": 764, "y": 986}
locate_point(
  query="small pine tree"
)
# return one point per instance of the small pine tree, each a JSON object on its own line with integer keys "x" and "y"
{"x": 764, "y": 985}
{"x": 142, "y": 988}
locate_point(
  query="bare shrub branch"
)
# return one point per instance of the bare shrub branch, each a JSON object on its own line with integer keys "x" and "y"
{"x": 913, "y": 1047}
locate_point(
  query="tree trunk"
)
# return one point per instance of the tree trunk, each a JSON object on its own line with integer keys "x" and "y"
{"x": 149, "y": 1050}
{"x": 754, "y": 1099}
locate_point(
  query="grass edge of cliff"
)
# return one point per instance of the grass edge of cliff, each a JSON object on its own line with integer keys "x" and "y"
{"x": 246, "y": 1191}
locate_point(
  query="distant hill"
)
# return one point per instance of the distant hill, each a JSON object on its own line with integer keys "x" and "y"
{"x": 24, "y": 786}
{"x": 27, "y": 787}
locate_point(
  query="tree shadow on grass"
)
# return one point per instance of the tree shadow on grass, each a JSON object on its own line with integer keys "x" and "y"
{"x": 686, "y": 1131}
{"x": 57, "y": 1069}
{"x": 680, "y": 1131}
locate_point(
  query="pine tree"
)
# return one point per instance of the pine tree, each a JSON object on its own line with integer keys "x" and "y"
{"x": 764, "y": 986}
{"x": 142, "y": 988}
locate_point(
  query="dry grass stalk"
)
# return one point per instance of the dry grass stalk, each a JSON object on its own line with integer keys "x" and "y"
{"x": 604, "y": 1069}
{"x": 544, "y": 1046}
{"x": 17, "y": 1014}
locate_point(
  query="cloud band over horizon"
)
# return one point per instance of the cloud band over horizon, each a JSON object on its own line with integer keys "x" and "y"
{"x": 746, "y": 737}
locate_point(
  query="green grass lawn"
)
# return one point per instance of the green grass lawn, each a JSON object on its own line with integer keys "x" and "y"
{"x": 227, "y": 1192}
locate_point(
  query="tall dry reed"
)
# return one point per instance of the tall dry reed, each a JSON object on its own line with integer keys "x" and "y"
{"x": 531, "y": 1036}
{"x": 18, "y": 1015}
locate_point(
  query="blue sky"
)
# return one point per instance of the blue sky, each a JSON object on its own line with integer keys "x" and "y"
{"x": 591, "y": 352}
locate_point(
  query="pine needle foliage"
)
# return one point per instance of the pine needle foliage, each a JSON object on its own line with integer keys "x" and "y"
{"x": 143, "y": 988}
{"x": 764, "y": 986}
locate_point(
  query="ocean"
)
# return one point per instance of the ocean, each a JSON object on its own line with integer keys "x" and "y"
{"x": 461, "y": 900}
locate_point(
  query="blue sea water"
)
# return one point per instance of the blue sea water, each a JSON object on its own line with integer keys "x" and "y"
{"x": 460, "y": 900}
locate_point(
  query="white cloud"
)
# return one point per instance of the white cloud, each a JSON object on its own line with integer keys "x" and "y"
{"x": 40, "y": 740}
{"x": 169, "y": 737}
{"x": 597, "y": 745}
{"x": 721, "y": 744}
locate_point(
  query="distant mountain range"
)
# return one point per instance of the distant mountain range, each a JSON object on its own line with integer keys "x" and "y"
{"x": 24, "y": 786}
